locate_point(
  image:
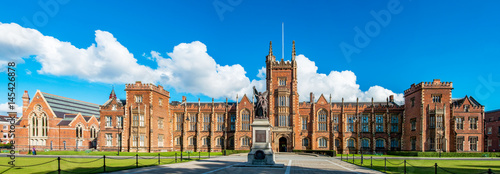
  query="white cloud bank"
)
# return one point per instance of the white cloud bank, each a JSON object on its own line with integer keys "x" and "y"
{"x": 188, "y": 68}
{"x": 4, "y": 109}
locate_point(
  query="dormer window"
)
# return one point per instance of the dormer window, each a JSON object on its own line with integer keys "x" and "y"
{"x": 114, "y": 107}
{"x": 282, "y": 81}
{"x": 466, "y": 108}
{"x": 436, "y": 98}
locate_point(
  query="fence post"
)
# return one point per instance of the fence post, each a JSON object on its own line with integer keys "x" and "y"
{"x": 209, "y": 154}
{"x": 158, "y": 158}
{"x": 405, "y": 166}
{"x": 181, "y": 156}
{"x": 353, "y": 158}
{"x": 199, "y": 155}
{"x": 104, "y": 158}
{"x": 371, "y": 162}
{"x": 59, "y": 165}
{"x": 385, "y": 165}
{"x": 489, "y": 171}
{"x": 176, "y": 157}
{"x": 361, "y": 159}
{"x": 340, "y": 157}
{"x": 136, "y": 160}
{"x": 435, "y": 168}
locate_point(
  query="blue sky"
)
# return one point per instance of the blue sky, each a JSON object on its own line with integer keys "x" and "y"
{"x": 453, "y": 41}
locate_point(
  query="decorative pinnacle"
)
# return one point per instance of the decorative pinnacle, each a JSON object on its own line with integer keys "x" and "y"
{"x": 293, "y": 51}
{"x": 270, "y": 47}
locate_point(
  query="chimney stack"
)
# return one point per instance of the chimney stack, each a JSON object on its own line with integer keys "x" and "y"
{"x": 26, "y": 100}
{"x": 391, "y": 98}
{"x": 311, "y": 97}
{"x": 183, "y": 98}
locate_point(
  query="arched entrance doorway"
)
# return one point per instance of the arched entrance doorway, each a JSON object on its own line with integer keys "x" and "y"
{"x": 282, "y": 144}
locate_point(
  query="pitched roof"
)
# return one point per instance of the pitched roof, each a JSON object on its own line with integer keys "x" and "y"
{"x": 64, "y": 122}
{"x": 460, "y": 101}
{"x": 61, "y": 105}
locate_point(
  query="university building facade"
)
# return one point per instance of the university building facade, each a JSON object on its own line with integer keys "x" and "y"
{"x": 429, "y": 120}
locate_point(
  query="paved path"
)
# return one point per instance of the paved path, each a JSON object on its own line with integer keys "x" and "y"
{"x": 294, "y": 164}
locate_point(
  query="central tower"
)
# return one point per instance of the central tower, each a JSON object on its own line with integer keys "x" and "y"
{"x": 281, "y": 82}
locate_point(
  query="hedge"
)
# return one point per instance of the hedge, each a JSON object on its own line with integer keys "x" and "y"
{"x": 229, "y": 152}
{"x": 322, "y": 152}
{"x": 444, "y": 154}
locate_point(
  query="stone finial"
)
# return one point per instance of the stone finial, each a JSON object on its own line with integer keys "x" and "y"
{"x": 270, "y": 47}
{"x": 293, "y": 51}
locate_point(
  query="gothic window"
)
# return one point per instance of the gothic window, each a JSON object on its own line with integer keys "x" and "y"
{"x": 439, "y": 122}
{"x": 206, "y": 122}
{"x": 379, "y": 122}
{"x": 365, "y": 143}
{"x": 220, "y": 122}
{"x": 283, "y": 101}
{"x": 233, "y": 122}
{"x": 466, "y": 108}
{"x": 119, "y": 122}
{"x": 413, "y": 142}
{"x": 379, "y": 143}
{"x": 141, "y": 120}
{"x": 245, "y": 120}
{"x": 394, "y": 123}
{"x": 283, "y": 120}
{"x": 432, "y": 122}
{"x": 473, "y": 143}
{"x": 136, "y": 120}
{"x": 473, "y": 123}
{"x": 350, "y": 123}
{"x": 138, "y": 98}
{"x": 364, "y": 123}
{"x": 335, "y": 122}
{"x": 322, "y": 142}
{"x": 394, "y": 143}
{"x": 134, "y": 140}
{"x": 245, "y": 141}
{"x": 282, "y": 81}
{"x": 142, "y": 140}
{"x": 459, "y": 123}
{"x": 160, "y": 123}
{"x": 109, "y": 139}
{"x": 304, "y": 123}
{"x": 322, "y": 120}
{"x": 192, "y": 122}
{"x": 436, "y": 98}
{"x": 305, "y": 142}
{"x": 413, "y": 123}
{"x": 108, "y": 121}
{"x": 350, "y": 143}
{"x": 178, "y": 121}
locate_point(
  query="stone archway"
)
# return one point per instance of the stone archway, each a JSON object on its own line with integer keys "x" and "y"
{"x": 282, "y": 144}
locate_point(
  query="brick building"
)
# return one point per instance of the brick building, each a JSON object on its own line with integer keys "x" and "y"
{"x": 492, "y": 131}
{"x": 148, "y": 121}
{"x": 56, "y": 123}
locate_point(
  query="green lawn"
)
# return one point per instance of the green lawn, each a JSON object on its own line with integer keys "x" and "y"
{"x": 114, "y": 153}
{"x": 78, "y": 165}
{"x": 427, "y": 166}
{"x": 374, "y": 155}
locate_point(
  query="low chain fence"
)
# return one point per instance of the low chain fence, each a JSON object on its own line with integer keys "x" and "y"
{"x": 403, "y": 164}
{"x": 139, "y": 161}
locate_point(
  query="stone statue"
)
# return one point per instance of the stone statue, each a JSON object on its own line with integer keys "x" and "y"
{"x": 261, "y": 109}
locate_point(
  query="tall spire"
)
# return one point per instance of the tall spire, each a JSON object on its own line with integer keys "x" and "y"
{"x": 271, "y": 48}
{"x": 112, "y": 95}
{"x": 293, "y": 51}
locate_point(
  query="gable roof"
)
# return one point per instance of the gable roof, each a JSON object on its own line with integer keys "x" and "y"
{"x": 61, "y": 105}
{"x": 458, "y": 102}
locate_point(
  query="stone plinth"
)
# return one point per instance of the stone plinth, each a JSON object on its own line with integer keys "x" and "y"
{"x": 261, "y": 154}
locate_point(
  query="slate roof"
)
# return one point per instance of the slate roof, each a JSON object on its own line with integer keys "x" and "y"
{"x": 460, "y": 101}
{"x": 64, "y": 122}
{"x": 61, "y": 105}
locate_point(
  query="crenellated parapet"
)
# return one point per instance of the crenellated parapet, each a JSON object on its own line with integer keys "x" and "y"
{"x": 146, "y": 86}
{"x": 436, "y": 84}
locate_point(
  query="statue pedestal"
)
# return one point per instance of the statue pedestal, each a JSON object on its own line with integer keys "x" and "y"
{"x": 261, "y": 154}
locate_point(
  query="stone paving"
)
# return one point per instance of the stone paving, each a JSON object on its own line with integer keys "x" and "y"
{"x": 294, "y": 164}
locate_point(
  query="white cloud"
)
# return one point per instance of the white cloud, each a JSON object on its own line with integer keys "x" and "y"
{"x": 339, "y": 84}
{"x": 106, "y": 61}
{"x": 4, "y": 108}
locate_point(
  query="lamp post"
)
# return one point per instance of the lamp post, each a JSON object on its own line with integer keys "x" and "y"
{"x": 225, "y": 134}
{"x": 120, "y": 130}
